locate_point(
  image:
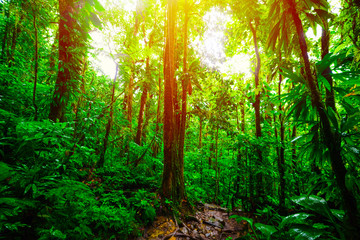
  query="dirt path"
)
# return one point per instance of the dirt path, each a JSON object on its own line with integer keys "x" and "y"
{"x": 209, "y": 222}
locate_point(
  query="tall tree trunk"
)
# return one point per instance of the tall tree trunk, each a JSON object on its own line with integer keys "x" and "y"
{"x": 331, "y": 139}
{"x": 158, "y": 120}
{"x": 142, "y": 108}
{"x": 172, "y": 186}
{"x": 257, "y": 106}
{"x": 141, "y": 116}
{"x": 15, "y": 34}
{"x": 66, "y": 43}
{"x": 184, "y": 84}
{"x": 129, "y": 97}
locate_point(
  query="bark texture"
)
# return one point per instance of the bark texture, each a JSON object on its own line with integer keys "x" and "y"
{"x": 66, "y": 58}
{"x": 172, "y": 186}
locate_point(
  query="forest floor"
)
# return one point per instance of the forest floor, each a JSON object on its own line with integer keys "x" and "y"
{"x": 209, "y": 222}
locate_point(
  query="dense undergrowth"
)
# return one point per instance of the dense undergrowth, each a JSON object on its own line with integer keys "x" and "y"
{"x": 51, "y": 189}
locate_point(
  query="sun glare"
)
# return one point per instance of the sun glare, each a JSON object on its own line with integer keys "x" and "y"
{"x": 103, "y": 46}
{"x": 211, "y": 49}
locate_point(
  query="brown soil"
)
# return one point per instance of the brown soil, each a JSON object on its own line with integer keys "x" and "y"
{"x": 210, "y": 222}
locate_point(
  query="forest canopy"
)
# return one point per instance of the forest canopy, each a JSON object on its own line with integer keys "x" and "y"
{"x": 179, "y": 119}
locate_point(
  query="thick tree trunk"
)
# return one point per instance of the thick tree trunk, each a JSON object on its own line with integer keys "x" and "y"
{"x": 66, "y": 46}
{"x": 184, "y": 85}
{"x": 172, "y": 186}
{"x": 331, "y": 139}
{"x": 158, "y": 120}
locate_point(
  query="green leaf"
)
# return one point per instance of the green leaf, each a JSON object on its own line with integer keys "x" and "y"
{"x": 267, "y": 230}
{"x": 298, "y": 138}
{"x": 338, "y": 213}
{"x": 350, "y": 123}
{"x": 325, "y": 63}
{"x": 321, "y": 3}
{"x": 95, "y": 20}
{"x": 314, "y": 203}
{"x": 305, "y": 232}
{"x": 297, "y": 218}
{"x": 289, "y": 74}
{"x": 332, "y": 116}
{"x": 98, "y": 6}
{"x": 5, "y": 171}
{"x": 324, "y": 81}
{"x": 271, "y": 42}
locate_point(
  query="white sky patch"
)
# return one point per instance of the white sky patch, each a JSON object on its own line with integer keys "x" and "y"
{"x": 103, "y": 41}
{"x": 311, "y": 35}
{"x": 212, "y": 50}
{"x": 210, "y": 46}
{"x": 239, "y": 63}
{"x": 335, "y": 6}
{"x": 102, "y": 62}
{"x": 127, "y": 5}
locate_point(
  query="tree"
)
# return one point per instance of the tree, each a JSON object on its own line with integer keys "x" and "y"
{"x": 331, "y": 138}
{"x": 172, "y": 186}
{"x": 67, "y": 64}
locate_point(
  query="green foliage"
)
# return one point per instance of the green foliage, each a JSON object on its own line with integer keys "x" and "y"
{"x": 50, "y": 187}
{"x": 313, "y": 221}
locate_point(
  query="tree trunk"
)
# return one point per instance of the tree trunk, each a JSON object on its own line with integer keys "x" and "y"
{"x": 141, "y": 116}
{"x": 184, "y": 85}
{"x": 144, "y": 94}
{"x": 172, "y": 186}
{"x": 129, "y": 97}
{"x": 158, "y": 120}
{"x": 66, "y": 43}
{"x": 331, "y": 139}
{"x": 257, "y": 107}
